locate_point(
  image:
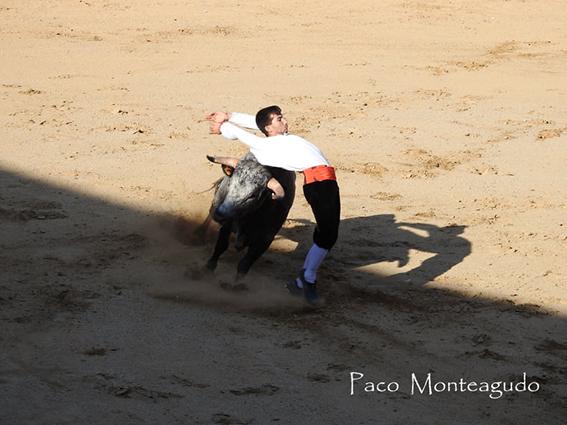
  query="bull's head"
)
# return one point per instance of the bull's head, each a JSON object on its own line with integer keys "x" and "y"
{"x": 244, "y": 189}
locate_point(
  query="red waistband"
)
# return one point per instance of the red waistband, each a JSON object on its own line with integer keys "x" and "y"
{"x": 319, "y": 173}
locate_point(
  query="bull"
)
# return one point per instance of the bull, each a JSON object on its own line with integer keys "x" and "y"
{"x": 253, "y": 202}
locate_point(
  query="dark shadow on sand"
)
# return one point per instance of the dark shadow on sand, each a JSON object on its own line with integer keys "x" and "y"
{"x": 380, "y": 238}
{"x": 74, "y": 269}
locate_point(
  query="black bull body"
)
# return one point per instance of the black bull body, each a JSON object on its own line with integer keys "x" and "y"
{"x": 244, "y": 204}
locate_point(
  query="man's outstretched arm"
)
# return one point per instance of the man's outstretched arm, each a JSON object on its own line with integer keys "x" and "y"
{"x": 231, "y": 131}
{"x": 243, "y": 120}
{"x": 240, "y": 119}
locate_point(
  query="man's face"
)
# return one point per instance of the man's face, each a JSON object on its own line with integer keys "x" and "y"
{"x": 278, "y": 126}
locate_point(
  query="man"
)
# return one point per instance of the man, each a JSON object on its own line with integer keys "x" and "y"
{"x": 295, "y": 154}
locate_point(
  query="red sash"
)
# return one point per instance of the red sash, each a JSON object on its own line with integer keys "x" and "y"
{"x": 319, "y": 173}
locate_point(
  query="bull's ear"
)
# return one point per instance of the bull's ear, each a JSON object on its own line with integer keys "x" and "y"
{"x": 227, "y": 170}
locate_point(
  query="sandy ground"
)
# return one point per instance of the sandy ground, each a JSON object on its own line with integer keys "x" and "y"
{"x": 447, "y": 124}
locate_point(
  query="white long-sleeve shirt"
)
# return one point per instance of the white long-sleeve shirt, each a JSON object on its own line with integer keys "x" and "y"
{"x": 286, "y": 151}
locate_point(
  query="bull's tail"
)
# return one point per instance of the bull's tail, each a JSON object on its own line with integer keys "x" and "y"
{"x": 202, "y": 230}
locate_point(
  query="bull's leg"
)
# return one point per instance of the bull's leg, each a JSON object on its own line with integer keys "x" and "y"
{"x": 221, "y": 246}
{"x": 255, "y": 251}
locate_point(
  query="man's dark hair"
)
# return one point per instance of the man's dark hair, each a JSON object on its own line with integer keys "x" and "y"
{"x": 264, "y": 117}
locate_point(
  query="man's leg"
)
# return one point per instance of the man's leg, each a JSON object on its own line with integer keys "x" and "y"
{"x": 324, "y": 199}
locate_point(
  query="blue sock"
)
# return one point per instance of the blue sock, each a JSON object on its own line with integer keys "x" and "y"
{"x": 313, "y": 260}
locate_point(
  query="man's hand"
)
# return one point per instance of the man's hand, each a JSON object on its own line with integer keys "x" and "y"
{"x": 218, "y": 117}
{"x": 214, "y": 127}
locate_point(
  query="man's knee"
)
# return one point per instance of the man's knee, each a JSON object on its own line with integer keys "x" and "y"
{"x": 326, "y": 241}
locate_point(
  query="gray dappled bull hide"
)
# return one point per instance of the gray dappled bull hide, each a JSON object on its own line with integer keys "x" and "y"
{"x": 243, "y": 204}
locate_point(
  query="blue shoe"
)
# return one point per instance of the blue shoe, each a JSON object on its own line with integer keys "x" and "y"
{"x": 310, "y": 290}
{"x": 311, "y": 294}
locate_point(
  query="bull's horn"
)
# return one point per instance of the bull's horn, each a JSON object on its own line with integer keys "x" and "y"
{"x": 277, "y": 188}
{"x": 224, "y": 160}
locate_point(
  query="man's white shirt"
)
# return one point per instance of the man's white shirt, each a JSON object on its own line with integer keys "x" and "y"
{"x": 286, "y": 151}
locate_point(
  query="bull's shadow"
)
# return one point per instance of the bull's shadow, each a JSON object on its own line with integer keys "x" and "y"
{"x": 380, "y": 238}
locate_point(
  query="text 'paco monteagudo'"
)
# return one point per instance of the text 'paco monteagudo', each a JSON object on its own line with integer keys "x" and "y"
{"x": 428, "y": 386}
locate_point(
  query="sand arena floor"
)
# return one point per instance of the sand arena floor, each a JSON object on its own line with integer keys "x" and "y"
{"x": 446, "y": 122}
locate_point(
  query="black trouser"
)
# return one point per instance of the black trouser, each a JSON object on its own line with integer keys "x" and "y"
{"x": 325, "y": 201}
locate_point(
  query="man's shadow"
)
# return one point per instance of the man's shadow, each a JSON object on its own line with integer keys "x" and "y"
{"x": 364, "y": 241}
